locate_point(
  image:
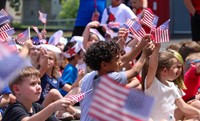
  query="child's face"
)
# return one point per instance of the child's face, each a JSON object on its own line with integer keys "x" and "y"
{"x": 114, "y": 64}
{"x": 175, "y": 71}
{"x": 51, "y": 59}
{"x": 92, "y": 39}
{"x": 136, "y": 4}
{"x": 30, "y": 89}
{"x": 34, "y": 52}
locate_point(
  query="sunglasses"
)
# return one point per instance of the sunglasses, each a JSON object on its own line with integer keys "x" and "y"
{"x": 193, "y": 61}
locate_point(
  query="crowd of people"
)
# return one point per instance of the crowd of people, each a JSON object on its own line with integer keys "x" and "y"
{"x": 104, "y": 46}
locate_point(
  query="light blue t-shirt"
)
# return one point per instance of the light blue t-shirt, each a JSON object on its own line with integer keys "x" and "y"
{"x": 90, "y": 81}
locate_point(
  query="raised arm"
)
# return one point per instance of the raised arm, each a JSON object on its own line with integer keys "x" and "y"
{"x": 147, "y": 50}
{"x": 153, "y": 64}
{"x": 86, "y": 32}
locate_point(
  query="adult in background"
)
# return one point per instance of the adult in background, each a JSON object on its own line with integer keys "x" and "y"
{"x": 193, "y": 7}
{"x": 85, "y": 13}
{"x": 117, "y": 12}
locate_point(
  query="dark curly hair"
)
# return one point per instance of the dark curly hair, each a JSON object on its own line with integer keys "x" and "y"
{"x": 101, "y": 51}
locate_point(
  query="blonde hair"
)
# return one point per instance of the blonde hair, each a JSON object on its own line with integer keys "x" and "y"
{"x": 179, "y": 81}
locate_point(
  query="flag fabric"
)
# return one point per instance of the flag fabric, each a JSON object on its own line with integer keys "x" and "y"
{"x": 22, "y": 37}
{"x": 10, "y": 45}
{"x": 75, "y": 98}
{"x": 10, "y": 64}
{"x": 149, "y": 19}
{"x": 162, "y": 33}
{"x": 137, "y": 30}
{"x": 4, "y": 17}
{"x": 128, "y": 23}
{"x": 4, "y": 35}
{"x": 114, "y": 102}
{"x": 43, "y": 17}
{"x": 37, "y": 31}
{"x": 5, "y": 31}
{"x": 5, "y": 27}
{"x": 55, "y": 38}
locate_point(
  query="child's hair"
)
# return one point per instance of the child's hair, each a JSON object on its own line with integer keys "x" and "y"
{"x": 174, "y": 46}
{"x": 68, "y": 46}
{"x": 188, "y": 47}
{"x": 179, "y": 80}
{"x": 55, "y": 70}
{"x": 26, "y": 72}
{"x": 190, "y": 58}
{"x": 99, "y": 52}
{"x": 165, "y": 60}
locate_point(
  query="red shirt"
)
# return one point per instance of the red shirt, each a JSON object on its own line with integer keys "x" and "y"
{"x": 196, "y": 4}
{"x": 192, "y": 82}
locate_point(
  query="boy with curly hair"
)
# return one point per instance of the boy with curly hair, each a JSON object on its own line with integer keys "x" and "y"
{"x": 104, "y": 57}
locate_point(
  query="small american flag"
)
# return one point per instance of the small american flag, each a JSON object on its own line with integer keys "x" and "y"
{"x": 37, "y": 31}
{"x": 4, "y": 34}
{"x": 162, "y": 33}
{"x": 137, "y": 30}
{"x": 10, "y": 64}
{"x": 22, "y": 37}
{"x": 5, "y": 27}
{"x": 10, "y": 45}
{"x": 55, "y": 38}
{"x": 113, "y": 25}
{"x": 128, "y": 23}
{"x": 114, "y": 102}
{"x": 4, "y": 17}
{"x": 149, "y": 19}
{"x": 75, "y": 98}
{"x": 43, "y": 17}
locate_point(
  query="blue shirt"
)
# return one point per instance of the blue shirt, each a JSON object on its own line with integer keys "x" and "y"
{"x": 90, "y": 81}
{"x": 86, "y": 9}
{"x": 69, "y": 76}
{"x": 49, "y": 83}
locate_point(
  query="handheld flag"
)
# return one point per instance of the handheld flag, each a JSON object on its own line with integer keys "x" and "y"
{"x": 55, "y": 38}
{"x": 137, "y": 30}
{"x": 75, "y": 98}
{"x": 114, "y": 102}
{"x": 10, "y": 64}
{"x": 22, "y": 37}
{"x": 43, "y": 17}
{"x": 162, "y": 33}
{"x": 149, "y": 19}
{"x": 37, "y": 31}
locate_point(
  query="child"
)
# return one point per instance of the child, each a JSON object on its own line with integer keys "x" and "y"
{"x": 27, "y": 90}
{"x": 192, "y": 77}
{"x": 51, "y": 83}
{"x": 164, "y": 82}
{"x": 104, "y": 58}
{"x": 70, "y": 73}
{"x": 88, "y": 36}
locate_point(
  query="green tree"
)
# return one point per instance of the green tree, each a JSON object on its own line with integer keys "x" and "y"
{"x": 69, "y": 9}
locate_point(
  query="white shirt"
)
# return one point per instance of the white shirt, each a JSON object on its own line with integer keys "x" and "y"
{"x": 121, "y": 13}
{"x": 165, "y": 97}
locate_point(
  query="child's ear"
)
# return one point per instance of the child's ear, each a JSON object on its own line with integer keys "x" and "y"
{"x": 16, "y": 89}
{"x": 103, "y": 64}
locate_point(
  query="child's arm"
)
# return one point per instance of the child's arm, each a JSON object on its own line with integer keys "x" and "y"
{"x": 86, "y": 32}
{"x": 187, "y": 109}
{"x": 153, "y": 64}
{"x": 25, "y": 50}
{"x": 135, "y": 51}
{"x": 43, "y": 61}
{"x": 68, "y": 87}
{"x": 45, "y": 113}
{"x": 134, "y": 71}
